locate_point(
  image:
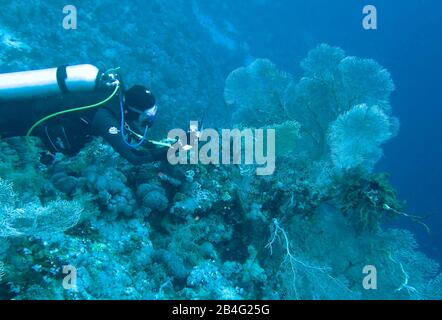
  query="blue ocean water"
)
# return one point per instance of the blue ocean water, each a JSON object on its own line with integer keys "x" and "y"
{"x": 408, "y": 42}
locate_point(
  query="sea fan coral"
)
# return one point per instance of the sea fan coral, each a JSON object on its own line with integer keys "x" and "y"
{"x": 356, "y": 136}
{"x": 33, "y": 219}
{"x": 256, "y": 92}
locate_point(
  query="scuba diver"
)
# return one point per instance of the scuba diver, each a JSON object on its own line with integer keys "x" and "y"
{"x": 45, "y": 103}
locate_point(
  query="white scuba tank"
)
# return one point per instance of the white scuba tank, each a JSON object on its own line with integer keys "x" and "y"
{"x": 46, "y": 82}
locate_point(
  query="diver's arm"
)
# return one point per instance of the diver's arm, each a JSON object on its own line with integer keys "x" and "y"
{"x": 157, "y": 153}
{"x": 105, "y": 125}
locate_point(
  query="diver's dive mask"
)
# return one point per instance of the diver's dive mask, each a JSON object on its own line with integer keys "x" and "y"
{"x": 147, "y": 117}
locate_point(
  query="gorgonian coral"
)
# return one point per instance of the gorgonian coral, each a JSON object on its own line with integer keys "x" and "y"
{"x": 326, "y": 104}
{"x": 34, "y": 219}
{"x": 356, "y": 136}
{"x": 256, "y": 92}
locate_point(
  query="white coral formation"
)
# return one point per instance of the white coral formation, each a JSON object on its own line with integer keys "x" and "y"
{"x": 356, "y": 136}
{"x": 327, "y": 103}
{"x": 33, "y": 219}
{"x": 256, "y": 93}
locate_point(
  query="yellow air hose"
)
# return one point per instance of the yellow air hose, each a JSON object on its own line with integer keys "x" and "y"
{"x": 28, "y": 134}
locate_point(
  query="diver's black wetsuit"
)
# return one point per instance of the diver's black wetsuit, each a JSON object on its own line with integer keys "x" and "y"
{"x": 69, "y": 133}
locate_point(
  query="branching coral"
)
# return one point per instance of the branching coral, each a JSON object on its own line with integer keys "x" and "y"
{"x": 316, "y": 278}
{"x": 6, "y": 192}
{"x": 256, "y": 92}
{"x": 341, "y": 103}
{"x": 364, "y": 81}
{"x": 342, "y": 82}
{"x": 355, "y": 137}
{"x": 411, "y": 273}
{"x": 34, "y": 219}
{"x": 334, "y": 84}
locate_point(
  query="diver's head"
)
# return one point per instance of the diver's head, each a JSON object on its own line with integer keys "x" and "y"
{"x": 140, "y": 102}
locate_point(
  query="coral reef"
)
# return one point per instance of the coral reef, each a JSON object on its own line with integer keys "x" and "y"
{"x": 217, "y": 235}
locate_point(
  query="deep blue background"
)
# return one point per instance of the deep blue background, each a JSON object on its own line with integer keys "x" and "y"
{"x": 408, "y": 43}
